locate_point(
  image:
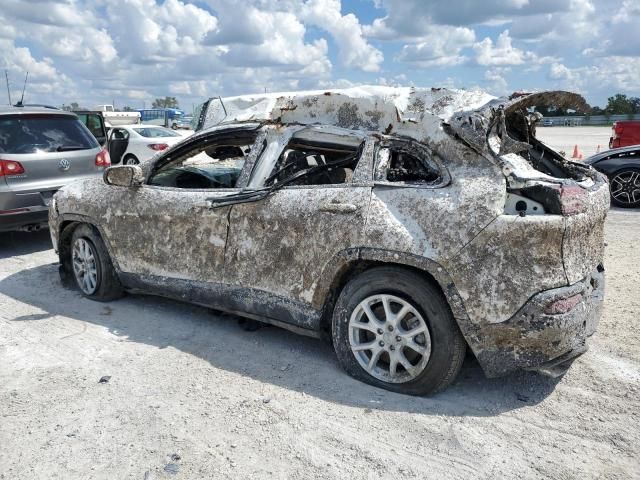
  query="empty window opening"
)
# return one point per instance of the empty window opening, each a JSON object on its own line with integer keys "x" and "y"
{"x": 399, "y": 165}
{"x": 213, "y": 165}
{"x": 303, "y": 164}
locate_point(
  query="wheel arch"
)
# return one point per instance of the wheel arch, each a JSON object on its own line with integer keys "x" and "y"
{"x": 67, "y": 225}
{"x": 351, "y": 262}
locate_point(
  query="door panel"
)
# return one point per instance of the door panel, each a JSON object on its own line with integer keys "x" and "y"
{"x": 169, "y": 232}
{"x": 282, "y": 243}
{"x": 118, "y": 143}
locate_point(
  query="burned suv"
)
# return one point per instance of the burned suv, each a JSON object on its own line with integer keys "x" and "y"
{"x": 405, "y": 224}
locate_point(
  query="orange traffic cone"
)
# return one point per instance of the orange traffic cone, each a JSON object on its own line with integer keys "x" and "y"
{"x": 598, "y": 149}
{"x": 576, "y": 152}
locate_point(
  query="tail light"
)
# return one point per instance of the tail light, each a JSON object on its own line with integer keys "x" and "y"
{"x": 103, "y": 159}
{"x": 10, "y": 167}
{"x": 563, "y": 305}
{"x": 158, "y": 146}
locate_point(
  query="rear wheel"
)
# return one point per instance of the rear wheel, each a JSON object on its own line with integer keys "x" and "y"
{"x": 91, "y": 266}
{"x": 625, "y": 188}
{"x": 394, "y": 329}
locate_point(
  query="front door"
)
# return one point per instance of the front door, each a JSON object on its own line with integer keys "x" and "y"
{"x": 280, "y": 245}
{"x": 166, "y": 228}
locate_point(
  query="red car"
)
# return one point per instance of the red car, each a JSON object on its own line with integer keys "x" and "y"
{"x": 625, "y": 134}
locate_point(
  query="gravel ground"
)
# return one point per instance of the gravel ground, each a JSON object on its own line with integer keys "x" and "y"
{"x": 565, "y": 138}
{"x": 187, "y": 394}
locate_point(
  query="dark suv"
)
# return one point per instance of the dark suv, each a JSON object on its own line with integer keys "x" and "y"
{"x": 41, "y": 149}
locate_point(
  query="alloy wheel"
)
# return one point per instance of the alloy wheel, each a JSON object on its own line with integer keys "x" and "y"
{"x": 625, "y": 187}
{"x": 85, "y": 267}
{"x": 389, "y": 338}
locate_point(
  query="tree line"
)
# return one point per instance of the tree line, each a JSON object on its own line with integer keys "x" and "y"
{"x": 166, "y": 102}
{"x": 619, "y": 104}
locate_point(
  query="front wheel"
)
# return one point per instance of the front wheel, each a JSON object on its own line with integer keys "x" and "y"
{"x": 91, "y": 266}
{"x": 625, "y": 188}
{"x": 394, "y": 329}
{"x": 130, "y": 160}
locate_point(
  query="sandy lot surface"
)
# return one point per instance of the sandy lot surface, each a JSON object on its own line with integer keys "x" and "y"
{"x": 565, "y": 138}
{"x": 191, "y": 395}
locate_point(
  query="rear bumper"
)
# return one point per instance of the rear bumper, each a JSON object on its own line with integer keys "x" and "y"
{"x": 35, "y": 216}
{"x": 539, "y": 336}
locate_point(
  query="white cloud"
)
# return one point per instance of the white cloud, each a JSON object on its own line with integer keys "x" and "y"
{"x": 346, "y": 31}
{"x": 441, "y": 46}
{"x": 502, "y": 52}
{"x": 495, "y": 81}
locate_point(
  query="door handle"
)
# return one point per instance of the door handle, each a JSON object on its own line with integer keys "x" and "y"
{"x": 203, "y": 204}
{"x": 338, "y": 208}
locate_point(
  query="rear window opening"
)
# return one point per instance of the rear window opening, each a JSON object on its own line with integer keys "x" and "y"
{"x": 298, "y": 157}
{"x": 400, "y": 162}
{"x": 43, "y": 133}
{"x": 521, "y": 127}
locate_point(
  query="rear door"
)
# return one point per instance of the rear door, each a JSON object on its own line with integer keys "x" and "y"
{"x": 118, "y": 144}
{"x": 54, "y": 149}
{"x": 280, "y": 245}
{"x": 95, "y": 123}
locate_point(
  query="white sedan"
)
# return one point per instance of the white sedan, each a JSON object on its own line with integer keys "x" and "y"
{"x": 131, "y": 144}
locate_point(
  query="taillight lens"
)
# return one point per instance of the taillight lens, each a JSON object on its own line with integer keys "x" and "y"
{"x": 573, "y": 200}
{"x": 563, "y": 305}
{"x": 10, "y": 167}
{"x": 103, "y": 159}
{"x": 158, "y": 146}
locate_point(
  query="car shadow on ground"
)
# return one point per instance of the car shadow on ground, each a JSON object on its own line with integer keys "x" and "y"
{"x": 23, "y": 243}
{"x": 269, "y": 355}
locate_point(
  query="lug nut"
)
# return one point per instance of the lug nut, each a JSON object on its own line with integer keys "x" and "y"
{"x": 390, "y": 327}
{"x": 392, "y": 347}
{"x": 381, "y": 343}
{"x": 398, "y": 338}
{"x": 380, "y": 332}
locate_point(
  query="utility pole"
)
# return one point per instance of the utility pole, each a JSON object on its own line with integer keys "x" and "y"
{"x": 6, "y": 76}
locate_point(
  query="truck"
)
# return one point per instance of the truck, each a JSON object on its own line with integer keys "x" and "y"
{"x": 166, "y": 117}
{"x": 113, "y": 118}
{"x": 625, "y": 133}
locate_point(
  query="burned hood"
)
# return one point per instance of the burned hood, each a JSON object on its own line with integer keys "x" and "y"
{"x": 477, "y": 126}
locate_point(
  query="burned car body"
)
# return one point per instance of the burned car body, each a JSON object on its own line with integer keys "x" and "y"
{"x": 405, "y": 223}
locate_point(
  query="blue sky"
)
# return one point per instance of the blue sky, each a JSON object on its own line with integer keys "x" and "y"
{"x": 132, "y": 51}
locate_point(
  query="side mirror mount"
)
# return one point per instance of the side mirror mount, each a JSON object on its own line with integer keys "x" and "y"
{"x": 123, "y": 176}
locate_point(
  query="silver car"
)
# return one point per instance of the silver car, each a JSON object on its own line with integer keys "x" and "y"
{"x": 41, "y": 149}
{"x": 405, "y": 225}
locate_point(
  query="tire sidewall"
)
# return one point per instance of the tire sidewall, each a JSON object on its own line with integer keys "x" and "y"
{"x": 426, "y": 299}
{"x": 108, "y": 286}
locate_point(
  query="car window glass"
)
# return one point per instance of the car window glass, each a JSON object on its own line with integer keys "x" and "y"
{"x": 93, "y": 123}
{"x": 155, "y": 132}
{"x": 399, "y": 164}
{"x": 315, "y": 164}
{"x": 43, "y": 133}
{"x": 209, "y": 165}
{"x": 119, "y": 134}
